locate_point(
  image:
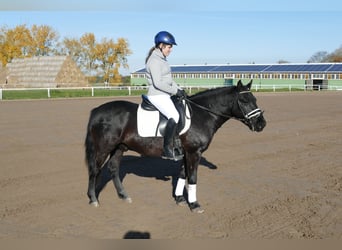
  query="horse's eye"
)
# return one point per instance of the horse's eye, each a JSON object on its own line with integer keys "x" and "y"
{"x": 243, "y": 99}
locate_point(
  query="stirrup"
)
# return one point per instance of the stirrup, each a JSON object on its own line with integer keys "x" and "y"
{"x": 174, "y": 157}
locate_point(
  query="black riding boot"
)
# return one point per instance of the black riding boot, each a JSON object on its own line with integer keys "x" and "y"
{"x": 170, "y": 131}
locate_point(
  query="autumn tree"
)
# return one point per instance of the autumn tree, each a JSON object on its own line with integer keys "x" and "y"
{"x": 73, "y": 48}
{"x": 336, "y": 56}
{"x": 318, "y": 57}
{"x": 88, "y": 52}
{"x": 44, "y": 40}
{"x": 110, "y": 57}
{"x": 21, "y": 42}
{"x": 323, "y": 56}
{"x": 94, "y": 58}
{"x": 98, "y": 58}
{"x": 15, "y": 43}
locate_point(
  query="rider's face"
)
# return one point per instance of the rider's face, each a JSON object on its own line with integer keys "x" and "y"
{"x": 166, "y": 49}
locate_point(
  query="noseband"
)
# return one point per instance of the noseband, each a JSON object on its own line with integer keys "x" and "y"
{"x": 254, "y": 113}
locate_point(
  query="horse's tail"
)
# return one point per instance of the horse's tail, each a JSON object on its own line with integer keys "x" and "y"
{"x": 90, "y": 148}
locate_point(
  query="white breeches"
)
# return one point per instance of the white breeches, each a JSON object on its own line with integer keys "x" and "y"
{"x": 165, "y": 105}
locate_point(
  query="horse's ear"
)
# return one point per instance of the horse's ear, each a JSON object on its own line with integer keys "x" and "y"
{"x": 249, "y": 85}
{"x": 239, "y": 84}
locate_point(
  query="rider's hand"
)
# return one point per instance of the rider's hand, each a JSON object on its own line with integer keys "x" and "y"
{"x": 181, "y": 93}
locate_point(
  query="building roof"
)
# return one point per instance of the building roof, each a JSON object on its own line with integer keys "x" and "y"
{"x": 257, "y": 68}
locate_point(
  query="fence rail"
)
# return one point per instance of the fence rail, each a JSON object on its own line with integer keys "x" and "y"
{"x": 136, "y": 90}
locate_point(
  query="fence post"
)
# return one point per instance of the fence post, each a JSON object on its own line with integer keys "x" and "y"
{"x": 273, "y": 88}
{"x": 92, "y": 91}
{"x": 0, "y": 93}
{"x": 49, "y": 94}
{"x": 129, "y": 90}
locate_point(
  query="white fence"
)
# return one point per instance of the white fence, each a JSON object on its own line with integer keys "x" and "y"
{"x": 190, "y": 89}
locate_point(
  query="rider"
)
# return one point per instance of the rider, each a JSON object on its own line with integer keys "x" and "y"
{"x": 162, "y": 87}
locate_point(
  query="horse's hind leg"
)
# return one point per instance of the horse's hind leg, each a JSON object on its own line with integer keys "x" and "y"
{"x": 93, "y": 171}
{"x": 114, "y": 168}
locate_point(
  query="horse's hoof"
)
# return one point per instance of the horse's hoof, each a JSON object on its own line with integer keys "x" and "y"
{"x": 180, "y": 201}
{"x": 127, "y": 200}
{"x": 94, "y": 204}
{"x": 196, "y": 208}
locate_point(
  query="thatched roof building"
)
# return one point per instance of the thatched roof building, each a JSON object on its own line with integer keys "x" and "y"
{"x": 42, "y": 72}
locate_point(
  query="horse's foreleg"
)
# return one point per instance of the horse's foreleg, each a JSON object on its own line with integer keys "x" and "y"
{"x": 192, "y": 161}
{"x": 179, "y": 191}
{"x": 114, "y": 167}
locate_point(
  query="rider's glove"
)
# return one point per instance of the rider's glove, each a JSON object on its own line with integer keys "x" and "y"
{"x": 181, "y": 93}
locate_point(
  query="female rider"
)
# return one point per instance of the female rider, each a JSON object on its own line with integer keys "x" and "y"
{"x": 162, "y": 87}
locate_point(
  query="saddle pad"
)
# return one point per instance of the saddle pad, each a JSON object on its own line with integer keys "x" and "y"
{"x": 148, "y": 122}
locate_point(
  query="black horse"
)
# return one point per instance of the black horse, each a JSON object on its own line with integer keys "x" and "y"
{"x": 112, "y": 130}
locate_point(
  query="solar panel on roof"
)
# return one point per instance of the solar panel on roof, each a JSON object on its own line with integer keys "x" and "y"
{"x": 141, "y": 71}
{"x": 298, "y": 68}
{"x": 189, "y": 69}
{"x": 218, "y": 68}
{"x": 335, "y": 68}
{"x": 322, "y": 67}
{"x": 241, "y": 68}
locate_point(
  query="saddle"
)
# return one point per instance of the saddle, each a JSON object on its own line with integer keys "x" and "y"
{"x": 151, "y": 119}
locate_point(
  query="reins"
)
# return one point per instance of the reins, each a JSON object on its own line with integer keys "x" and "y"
{"x": 207, "y": 109}
{"x": 255, "y": 112}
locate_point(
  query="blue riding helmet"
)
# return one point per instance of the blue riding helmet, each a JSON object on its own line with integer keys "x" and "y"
{"x": 164, "y": 37}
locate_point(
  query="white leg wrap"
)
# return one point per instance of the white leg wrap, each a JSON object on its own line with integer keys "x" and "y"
{"x": 180, "y": 187}
{"x": 192, "y": 193}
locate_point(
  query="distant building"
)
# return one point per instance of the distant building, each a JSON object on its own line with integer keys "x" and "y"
{"x": 311, "y": 75}
{"x": 42, "y": 72}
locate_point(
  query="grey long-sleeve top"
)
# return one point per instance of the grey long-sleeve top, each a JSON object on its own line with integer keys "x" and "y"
{"x": 158, "y": 74}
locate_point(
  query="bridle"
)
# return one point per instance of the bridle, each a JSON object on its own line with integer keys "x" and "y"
{"x": 254, "y": 113}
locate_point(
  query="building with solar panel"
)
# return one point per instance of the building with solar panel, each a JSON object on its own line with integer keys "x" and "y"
{"x": 305, "y": 75}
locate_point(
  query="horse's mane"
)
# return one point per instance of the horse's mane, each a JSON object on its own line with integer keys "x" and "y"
{"x": 213, "y": 93}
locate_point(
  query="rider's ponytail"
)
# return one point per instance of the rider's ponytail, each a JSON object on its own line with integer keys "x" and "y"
{"x": 150, "y": 53}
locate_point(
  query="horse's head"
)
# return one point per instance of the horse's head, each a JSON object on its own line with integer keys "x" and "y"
{"x": 246, "y": 109}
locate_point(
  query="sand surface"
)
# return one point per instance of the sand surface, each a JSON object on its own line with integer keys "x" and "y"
{"x": 282, "y": 183}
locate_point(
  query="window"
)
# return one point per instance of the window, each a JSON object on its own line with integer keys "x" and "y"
{"x": 227, "y": 75}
